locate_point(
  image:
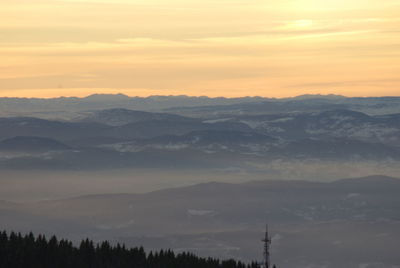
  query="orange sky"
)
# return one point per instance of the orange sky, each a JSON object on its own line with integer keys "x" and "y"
{"x": 232, "y": 48}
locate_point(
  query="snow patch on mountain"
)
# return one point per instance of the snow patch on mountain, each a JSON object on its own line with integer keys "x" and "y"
{"x": 213, "y": 121}
{"x": 281, "y": 120}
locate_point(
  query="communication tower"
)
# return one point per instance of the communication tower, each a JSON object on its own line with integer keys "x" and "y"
{"x": 267, "y": 243}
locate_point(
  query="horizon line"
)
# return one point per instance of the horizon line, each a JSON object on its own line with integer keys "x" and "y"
{"x": 196, "y": 96}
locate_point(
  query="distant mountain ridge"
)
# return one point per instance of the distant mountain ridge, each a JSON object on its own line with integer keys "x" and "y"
{"x": 119, "y": 117}
{"x": 123, "y": 138}
{"x": 337, "y": 123}
{"x": 70, "y": 107}
{"x": 32, "y": 144}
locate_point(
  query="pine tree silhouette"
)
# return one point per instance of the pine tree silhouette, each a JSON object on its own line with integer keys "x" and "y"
{"x": 18, "y": 251}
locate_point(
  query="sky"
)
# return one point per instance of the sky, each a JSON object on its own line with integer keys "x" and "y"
{"x": 231, "y": 48}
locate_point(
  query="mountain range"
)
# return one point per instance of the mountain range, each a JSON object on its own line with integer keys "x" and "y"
{"x": 121, "y": 138}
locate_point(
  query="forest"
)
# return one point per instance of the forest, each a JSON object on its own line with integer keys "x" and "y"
{"x": 30, "y": 251}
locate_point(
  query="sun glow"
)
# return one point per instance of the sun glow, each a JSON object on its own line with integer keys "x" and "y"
{"x": 301, "y": 24}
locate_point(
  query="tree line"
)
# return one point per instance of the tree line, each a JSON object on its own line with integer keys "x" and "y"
{"x": 29, "y": 251}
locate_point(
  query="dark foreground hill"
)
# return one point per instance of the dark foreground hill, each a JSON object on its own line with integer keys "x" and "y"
{"x": 312, "y": 224}
{"x": 29, "y": 251}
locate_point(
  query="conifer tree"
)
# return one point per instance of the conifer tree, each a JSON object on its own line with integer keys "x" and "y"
{"x": 18, "y": 251}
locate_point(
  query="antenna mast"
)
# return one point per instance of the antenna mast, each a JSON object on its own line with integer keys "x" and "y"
{"x": 267, "y": 243}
